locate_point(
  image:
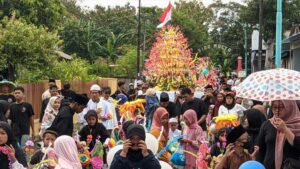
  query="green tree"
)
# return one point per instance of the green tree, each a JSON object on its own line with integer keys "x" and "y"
{"x": 76, "y": 69}
{"x": 84, "y": 39}
{"x": 127, "y": 63}
{"x": 110, "y": 50}
{"x": 193, "y": 18}
{"x": 39, "y": 12}
{"x": 290, "y": 10}
{"x": 120, "y": 20}
{"x": 27, "y": 46}
{"x": 227, "y": 30}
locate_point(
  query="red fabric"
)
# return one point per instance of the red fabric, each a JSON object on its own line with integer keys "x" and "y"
{"x": 167, "y": 10}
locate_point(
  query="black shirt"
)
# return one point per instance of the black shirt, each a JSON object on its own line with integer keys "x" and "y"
{"x": 207, "y": 101}
{"x": 97, "y": 131}
{"x": 171, "y": 108}
{"x": 63, "y": 122}
{"x": 20, "y": 115}
{"x": 119, "y": 92}
{"x": 198, "y": 106}
{"x": 266, "y": 143}
{"x": 8, "y": 97}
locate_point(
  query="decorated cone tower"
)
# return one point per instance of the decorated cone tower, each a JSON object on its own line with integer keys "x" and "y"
{"x": 170, "y": 63}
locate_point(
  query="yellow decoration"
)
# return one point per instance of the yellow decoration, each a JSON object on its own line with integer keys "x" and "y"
{"x": 226, "y": 121}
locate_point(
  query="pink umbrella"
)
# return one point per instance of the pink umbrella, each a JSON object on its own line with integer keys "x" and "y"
{"x": 269, "y": 85}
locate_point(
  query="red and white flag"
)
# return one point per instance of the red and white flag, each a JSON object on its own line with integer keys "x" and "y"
{"x": 166, "y": 16}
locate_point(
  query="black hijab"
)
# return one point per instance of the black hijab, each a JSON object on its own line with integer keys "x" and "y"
{"x": 135, "y": 129}
{"x": 255, "y": 120}
{"x": 229, "y": 106}
{"x": 4, "y": 105}
{"x": 20, "y": 156}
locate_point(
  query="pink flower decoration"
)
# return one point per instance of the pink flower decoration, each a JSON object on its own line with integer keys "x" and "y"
{"x": 218, "y": 144}
{"x": 4, "y": 150}
{"x": 97, "y": 163}
{"x": 29, "y": 143}
{"x": 224, "y": 144}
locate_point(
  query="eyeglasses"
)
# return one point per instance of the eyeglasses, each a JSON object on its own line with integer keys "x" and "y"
{"x": 277, "y": 108}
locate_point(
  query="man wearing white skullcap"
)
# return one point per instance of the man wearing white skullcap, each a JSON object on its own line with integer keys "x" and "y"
{"x": 95, "y": 93}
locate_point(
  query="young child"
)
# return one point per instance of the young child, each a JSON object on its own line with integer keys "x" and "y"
{"x": 11, "y": 156}
{"x": 191, "y": 143}
{"x": 93, "y": 131}
{"x": 173, "y": 132}
{"x": 235, "y": 154}
{"x": 210, "y": 114}
{"x": 219, "y": 144}
{"x": 49, "y": 136}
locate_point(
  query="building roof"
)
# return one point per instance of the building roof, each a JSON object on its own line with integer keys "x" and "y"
{"x": 292, "y": 38}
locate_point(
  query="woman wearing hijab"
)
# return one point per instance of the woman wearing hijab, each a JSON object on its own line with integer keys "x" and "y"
{"x": 230, "y": 107}
{"x": 4, "y": 106}
{"x": 220, "y": 99}
{"x": 51, "y": 112}
{"x": 66, "y": 152}
{"x": 252, "y": 122}
{"x": 279, "y": 137}
{"x": 160, "y": 129}
{"x": 135, "y": 154}
{"x": 15, "y": 155}
{"x": 193, "y": 139}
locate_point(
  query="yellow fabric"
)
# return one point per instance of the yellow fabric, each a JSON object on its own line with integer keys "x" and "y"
{"x": 162, "y": 143}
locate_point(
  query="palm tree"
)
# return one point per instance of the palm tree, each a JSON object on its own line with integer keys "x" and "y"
{"x": 111, "y": 49}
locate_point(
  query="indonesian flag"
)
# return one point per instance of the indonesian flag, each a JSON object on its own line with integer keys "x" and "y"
{"x": 166, "y": 16}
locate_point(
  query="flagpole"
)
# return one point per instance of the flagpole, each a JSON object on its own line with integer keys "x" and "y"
{"x": 138, "y": 40}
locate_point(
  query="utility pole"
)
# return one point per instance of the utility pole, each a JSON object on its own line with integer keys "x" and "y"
{"x": 138, "y": 41}
{"x": 278, "y": 34}
{"x": 245, "y": 47}
{"x": 260, "y": 34}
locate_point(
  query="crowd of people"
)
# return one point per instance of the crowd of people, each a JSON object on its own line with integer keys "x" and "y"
{"x": 262, "y": 134}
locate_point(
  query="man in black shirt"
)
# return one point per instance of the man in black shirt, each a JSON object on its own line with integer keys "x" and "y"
{"x": 121, "y": 89}
{"x": 165, "y": 103}
{"x": 196, "y": 104}
{"x": 21, "y": 116}
{"x": 54, "y": 92}
{"x": 208, "y": 97}
{"x": 63, "y": 122}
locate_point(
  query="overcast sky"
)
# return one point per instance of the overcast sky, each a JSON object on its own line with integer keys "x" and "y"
{"x": 160, "y": 3}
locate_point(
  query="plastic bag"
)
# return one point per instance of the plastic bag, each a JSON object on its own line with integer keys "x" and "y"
{"x": 178, "y": 158}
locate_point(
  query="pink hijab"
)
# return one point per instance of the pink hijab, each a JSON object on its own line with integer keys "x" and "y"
{"x": 292, "y": 120}
{"x": 191, "y": 116}
{"x": 66, "y": 153}
{"x": 156, "y": 123}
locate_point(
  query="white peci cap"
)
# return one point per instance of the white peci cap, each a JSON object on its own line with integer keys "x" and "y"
{"x": 95, "y": 87}
{"x": 173, "y": 120}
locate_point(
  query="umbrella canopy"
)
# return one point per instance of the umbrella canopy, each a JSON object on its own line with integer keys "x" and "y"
{"x": 269, "y": 85}
{"x": 10, "y": 84}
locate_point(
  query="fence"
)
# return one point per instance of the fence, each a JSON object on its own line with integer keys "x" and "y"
{"x": 33, "y": 92}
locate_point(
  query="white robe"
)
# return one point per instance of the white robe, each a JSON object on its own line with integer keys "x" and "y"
{"x": 91, "y": 105}
{"x": 107, "y": 107}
